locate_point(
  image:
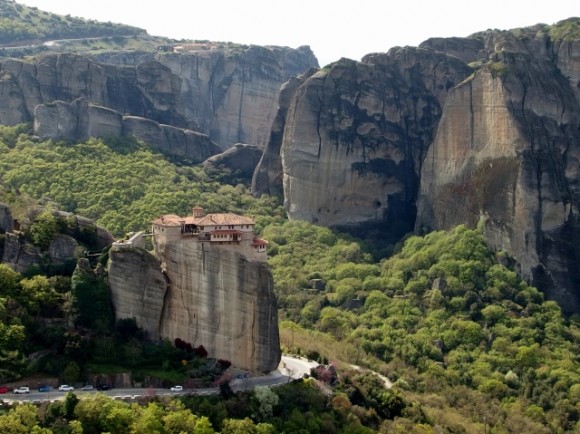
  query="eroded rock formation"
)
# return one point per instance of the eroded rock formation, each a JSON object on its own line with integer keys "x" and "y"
{"x": 202, "y": 293}
{"x": 138, "y": 287}
{"x": 230, "y": 92}
{"x": 149, "y": 90}
{"x": 499, "y": 114}
{"x": 507, "y": 150}
{"x": 355, "y": 135}
{"x": 80, "y": 119}
{"x": 235, "y": 165}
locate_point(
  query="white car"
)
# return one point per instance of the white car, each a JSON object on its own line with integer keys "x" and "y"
{"x": 65, "y": 388}
{"x": 177, "y": 389}
{"x": 22, "y": 389}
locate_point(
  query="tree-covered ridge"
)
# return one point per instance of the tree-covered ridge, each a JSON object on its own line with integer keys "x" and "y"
{"x": 122, "y": 185}
{"x": 20, "y": 23}
{"x": 446, "y": 315}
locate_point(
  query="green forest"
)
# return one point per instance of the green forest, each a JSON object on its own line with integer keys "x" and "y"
{"x": 468, "y": 346}
{"x": 20, "y": 23}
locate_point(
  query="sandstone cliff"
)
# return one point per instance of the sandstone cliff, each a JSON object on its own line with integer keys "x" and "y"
{"x": 203, "y": 295}
{"x": 148, "y": 90}
{"x": 138, "y": 287}
{"x": 230, "y": 93}
{"x": 507, "y": 150}
{"x": 355, "y": 135}
{"x": 498, "y": 113}
{"x": 80, "y": 120}
{"x": 72, "y": 97}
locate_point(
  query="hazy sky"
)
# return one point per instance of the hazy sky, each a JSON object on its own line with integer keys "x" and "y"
{"x": 333, "y": 29}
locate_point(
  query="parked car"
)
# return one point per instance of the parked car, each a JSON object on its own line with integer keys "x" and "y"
{"x": 177, "y": 389}
{"x": 4, "y": 389}
{"x": 44, "y": 388}
{"x": 87, "y": 387}
{"x": 65, "y": 388}
{"x": 103, "y": 387}
{"x": 22, "y": 389}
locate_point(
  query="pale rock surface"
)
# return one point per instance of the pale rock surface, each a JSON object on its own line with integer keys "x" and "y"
{"x": 231, "y": 94}
{"x": 202, "y": 294}
{"x": 80, "y": 120}
{"x": 508, "y": 150}
{"x": 356, "y": 134}
{"x": 138, "y": 287}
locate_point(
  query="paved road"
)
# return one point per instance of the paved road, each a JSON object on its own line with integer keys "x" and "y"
{"x": 290, "y": 368}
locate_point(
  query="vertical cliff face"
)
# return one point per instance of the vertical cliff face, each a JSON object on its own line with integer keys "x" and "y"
{"x": 507, "y": 150}
{"x": 223, "y": 301}
{"x": 203, "y": 295}
{"x": 148, "y": 90}
{"x": 498, "y": 113}
{"x": 267, "y": 178}
{"x": 138, "y": 287}
{"x": 355, "y": 135}
{"x": 231, "y": 94}
{"x": 227, "y": 93}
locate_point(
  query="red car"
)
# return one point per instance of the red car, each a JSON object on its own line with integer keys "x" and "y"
{"x": 4, "y": 389}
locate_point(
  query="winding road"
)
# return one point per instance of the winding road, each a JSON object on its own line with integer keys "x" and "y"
{"x": 290, "y": 368}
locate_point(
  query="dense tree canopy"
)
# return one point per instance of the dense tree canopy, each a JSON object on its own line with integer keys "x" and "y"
{"x": 122, "y": 186}
{"x": 469, "y": 346}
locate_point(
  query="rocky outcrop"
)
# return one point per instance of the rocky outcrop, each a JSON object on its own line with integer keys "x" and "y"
{"x": 203, "y": 295}
{"x": 484, "y": 127}
{"x": 228, "y": 94}
{"x": 235, "y": 165}
{"x": 507, "y": 150}
{"x": 138, "y": 287}
{"x": 76, "y": 235}
{"x": 19, "y": 254}
{"x": 232, "y": 95}
{"x": 81, "y": 228}
{"x": 267, "y": 178}
{"x": 149, "y": 90}
{"x": 80, "y": 120}
{"x": 355, "y": 136}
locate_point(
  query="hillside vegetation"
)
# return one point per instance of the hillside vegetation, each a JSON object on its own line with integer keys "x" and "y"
{"x": 122, "y": 185}
{"x": 446, "y": 319}
{"x": 20, "y": 23}
{"x": 470, "y": 347}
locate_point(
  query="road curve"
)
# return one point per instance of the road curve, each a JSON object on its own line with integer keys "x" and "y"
{"x": 289, "y": 368}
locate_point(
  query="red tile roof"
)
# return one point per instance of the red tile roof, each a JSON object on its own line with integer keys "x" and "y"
{"x": 168, "y": 220}
{"x": 259, "y": 242}
{"x": 224, "y": 219}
